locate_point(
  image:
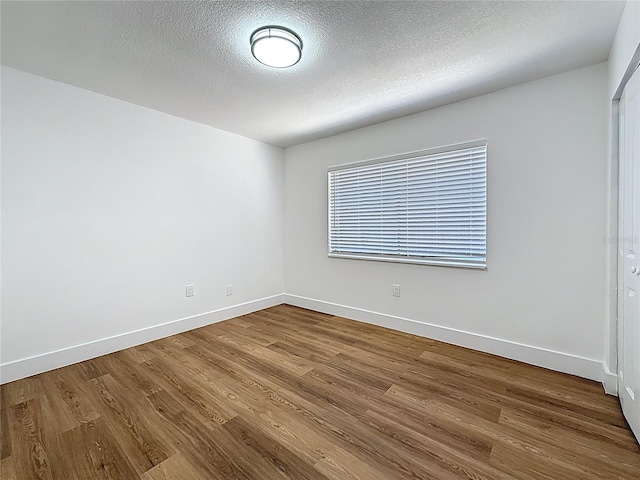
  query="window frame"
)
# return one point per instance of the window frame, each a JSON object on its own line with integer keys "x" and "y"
{"x": 433, "y": 261}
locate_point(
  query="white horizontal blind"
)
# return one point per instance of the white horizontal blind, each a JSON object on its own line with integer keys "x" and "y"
{"x": 429, "y": 208}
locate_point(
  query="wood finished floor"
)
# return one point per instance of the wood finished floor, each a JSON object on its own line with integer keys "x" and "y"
{"x": 287, "y": 393}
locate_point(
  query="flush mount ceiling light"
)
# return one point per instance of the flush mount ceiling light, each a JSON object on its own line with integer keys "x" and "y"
{"x": 276, "y": 47}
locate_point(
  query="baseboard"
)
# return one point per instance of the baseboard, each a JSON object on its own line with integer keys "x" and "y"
{"x": 26, "y": 367}
{"x": 609, "y": 381}
{"x": 558, "y": 361}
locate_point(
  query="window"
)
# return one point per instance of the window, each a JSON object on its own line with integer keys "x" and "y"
{"x": 425, "y": 207}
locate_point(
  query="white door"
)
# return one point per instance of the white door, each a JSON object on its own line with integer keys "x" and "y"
{"x": 629, "y": 318}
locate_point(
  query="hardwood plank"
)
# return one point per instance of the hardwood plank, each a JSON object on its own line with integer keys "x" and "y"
{"x": 595, "y": 453}
{"x": 188, "y": 391}
{"x": 131, "y": 430}
{"x": 296, "y": 366}
{"x": 7, "y": 469}
{"x": 306, "y": 353}
{"x": 342, "y": 464}
{"x": 93, "y": 453}
{"x": 90, "y": 369}
{"x": 69, "y": 401}
{"x": 274, "y": 459}
{"x": 22, "y": 390}
{"x": 456, "y": 436}
{"x": 202, "y": 441}
{"x": 139, "y": 354}
{"x": 455, "y": 461}
{"x": 245, "y": 336}
{"x": 30, "y": 455}
{"x": 174, "y": 468}
{"x": 129, "y": 373}
{"x": 5, "y": 436}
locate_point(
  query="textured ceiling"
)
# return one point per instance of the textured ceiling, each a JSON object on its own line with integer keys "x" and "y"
{"x": 363, "y": 61}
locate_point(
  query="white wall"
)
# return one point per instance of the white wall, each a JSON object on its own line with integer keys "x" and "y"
{"x": 108, "y": 211}
{"x": 547, "y": 188}
{"x": 625, "y": 44}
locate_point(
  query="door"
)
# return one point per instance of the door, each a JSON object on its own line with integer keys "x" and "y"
{"x": 629, "y": 238}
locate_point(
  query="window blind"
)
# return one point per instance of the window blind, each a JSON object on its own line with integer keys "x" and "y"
{"x": 429, "y": 207}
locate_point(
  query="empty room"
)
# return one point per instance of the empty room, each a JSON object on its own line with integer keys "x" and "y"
{"x": 322, "y": 240}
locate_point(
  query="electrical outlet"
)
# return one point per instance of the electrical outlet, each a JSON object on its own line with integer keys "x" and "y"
{"x": 229, "y": 290}
{"x": 396, "y": 290}
{"x": 188, "y": 291}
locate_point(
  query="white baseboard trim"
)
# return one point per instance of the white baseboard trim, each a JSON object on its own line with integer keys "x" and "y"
{"x": 26, "y": 367}
{"x": 561, "y": 362}
{"x": 558, "y": 361}
{"x": 609, "y": 381}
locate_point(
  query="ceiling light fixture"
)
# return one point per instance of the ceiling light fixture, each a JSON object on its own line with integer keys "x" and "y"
{"x": 276, "y": 47}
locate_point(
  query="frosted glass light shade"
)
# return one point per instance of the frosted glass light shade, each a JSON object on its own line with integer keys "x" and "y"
{"x": 276, "y": 47}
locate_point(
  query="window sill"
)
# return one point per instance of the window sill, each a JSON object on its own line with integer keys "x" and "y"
{"x": 415, "y": 261}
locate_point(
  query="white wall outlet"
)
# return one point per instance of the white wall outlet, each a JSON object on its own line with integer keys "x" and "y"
{"x": 188, "y": 291}
{"x": 229, "y": 290}
{"x": 396, "y": 290}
